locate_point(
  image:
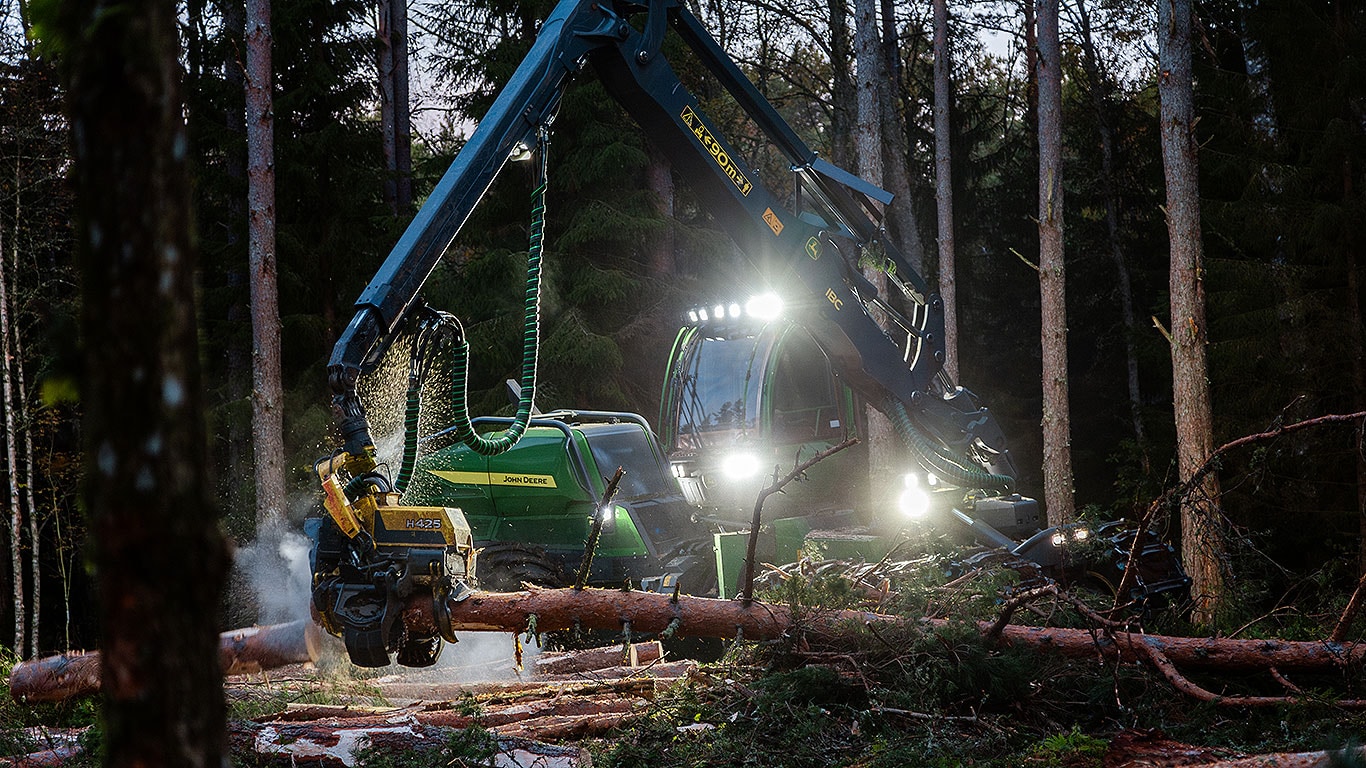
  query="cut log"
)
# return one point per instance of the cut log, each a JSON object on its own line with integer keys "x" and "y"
{"x": 602, "y": 609}
{"x": 312, "y": 744}
{"x": 591, "y": 659}
{"x": 660, "y": 671}
{"x": 72, "y": 675}
{"x": 1149, "y": 749}
{"x": 647, "y": 612}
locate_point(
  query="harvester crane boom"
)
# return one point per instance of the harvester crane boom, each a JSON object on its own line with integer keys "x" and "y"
{"x": 799, "y": 245}
{"x": 375, "y": 552}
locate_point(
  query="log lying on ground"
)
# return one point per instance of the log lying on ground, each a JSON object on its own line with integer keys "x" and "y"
{"x": 602, "y": 609}
{"x": 71, "y": 675}
{"x": 314, "y": 744}
{"x": 648, "y": 612}
{"x": 1149, "y": 749}
{"x": 590, "y": 659}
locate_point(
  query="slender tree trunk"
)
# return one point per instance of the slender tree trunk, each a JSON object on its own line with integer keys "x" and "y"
{"x": 902, "y": 225}
{"x": 661, "y": 180}
{"x": 267, "y": 418}
{"x": 1202, "y": 546}
{"x": 159, "y": 552}
{"x": 1097, "y": 85}
{"x": 943, "y": 185}
{"x": 16, "y": 509}
{"x": 26, "y": 430}
{"x": 1057, "y": 430}
{"x": 1354, "y": 337}
{"x": 882, "y": 440}
{"x": 393, "y": 98}
{"x": 843, "y": 93}
{"x": 238, "y": 358}
{"x": 1031, "y": 52}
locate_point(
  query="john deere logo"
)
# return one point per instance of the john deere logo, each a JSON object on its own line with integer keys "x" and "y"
{"x": 496, "y": 478}
{"x": 813, "y": 248}
{"x": 541, "y": 481}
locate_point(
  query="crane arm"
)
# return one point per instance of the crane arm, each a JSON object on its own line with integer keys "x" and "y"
{"x": 806, "y": 246}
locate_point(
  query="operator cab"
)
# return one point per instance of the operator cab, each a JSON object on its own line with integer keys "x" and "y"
{"x": 745, "y": 395}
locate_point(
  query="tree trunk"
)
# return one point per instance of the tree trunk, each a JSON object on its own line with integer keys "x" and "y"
{"x": 1358, "y": 349}
{"x": 267, "y": 418}
{"x": 16, "y": 510}
{"x": 1098, "y": 85}
{"x": 158, "y": 548}
{"x": 1031, "y": 52}
{"x": 661, "y": 181}
{"x": 395, "y": 117}
{"x": 1057, "y": 430}
{"x": 26, "y": 429}
{"x": 943, "y": 185}
{"x": 882, "y": 440}
{"x": 902, "y": 225}
{"x": 843, "y": 93}
{"x": 1202, "y": 546}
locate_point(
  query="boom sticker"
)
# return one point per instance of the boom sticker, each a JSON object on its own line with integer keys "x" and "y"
{"x": 523, "y": 480}
{"x": 713, "y": 147}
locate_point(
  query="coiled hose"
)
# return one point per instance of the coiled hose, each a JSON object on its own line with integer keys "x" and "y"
{"x": 444, "y": 328}
{"x": 933, "y": 458}
{"x": 464, "y": 430}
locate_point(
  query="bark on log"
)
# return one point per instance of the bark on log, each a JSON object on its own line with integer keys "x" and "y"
{"x": 705, "y": 617}
{"x": 71, "y": 675}
{"x": 591, "y": 659}
{"x": 43, "y": 759}
{"x": 1149, "y": 749}
{"x": 293, "y": 744}
{"x": 648, "y": 612}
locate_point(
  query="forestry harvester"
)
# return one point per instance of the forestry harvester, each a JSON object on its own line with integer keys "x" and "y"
{"x": 749, "y": 387}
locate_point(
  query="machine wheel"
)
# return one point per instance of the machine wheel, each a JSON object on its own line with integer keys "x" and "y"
{"x": 503, "y": 566}
{"x": 420, "y": 651}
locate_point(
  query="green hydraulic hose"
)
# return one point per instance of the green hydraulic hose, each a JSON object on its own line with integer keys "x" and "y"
{"x": 934, "y": 459}
{"x": 464, "y": 429}
{"x": 410, "y": 419}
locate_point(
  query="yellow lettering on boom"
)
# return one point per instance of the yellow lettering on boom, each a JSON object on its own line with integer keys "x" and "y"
{"x": 713, "y": 147}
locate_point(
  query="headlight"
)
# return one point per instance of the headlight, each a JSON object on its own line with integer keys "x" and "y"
{"x": 915, "y": 501}
{"x": 1081, "y": 534}
{"x": 739, "y": 466}
{"x": 1059, "y": 538}
{"x": 765, "y": 306}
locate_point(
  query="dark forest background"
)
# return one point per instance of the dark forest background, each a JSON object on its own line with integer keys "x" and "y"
{"x": 1281, "y": 95}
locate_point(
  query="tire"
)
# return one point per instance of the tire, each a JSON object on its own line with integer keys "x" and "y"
{"x": 504, "y": 566}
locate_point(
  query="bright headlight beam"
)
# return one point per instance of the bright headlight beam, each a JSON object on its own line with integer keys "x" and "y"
{"x": 765, "y": 306}
{"x": 739, "y": 466}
